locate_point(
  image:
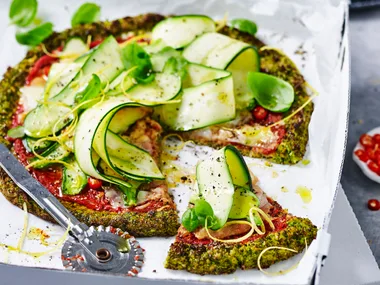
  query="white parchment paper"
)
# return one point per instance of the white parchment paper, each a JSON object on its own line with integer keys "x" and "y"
{"x": 309, "y": 32}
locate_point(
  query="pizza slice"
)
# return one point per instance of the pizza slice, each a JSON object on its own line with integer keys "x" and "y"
{"x": 231, "y": 222}
{"x": 270, "y": 115}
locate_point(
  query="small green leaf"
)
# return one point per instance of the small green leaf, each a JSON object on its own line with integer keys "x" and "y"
{"x": 22, "y": 12}
{"x": 203, "y": 208}
{"x": 271, "y": 92}
{"x": 244, "y": 25}
{"x": 86, "y": 14}
{"x": 190, "y": 220}
{"x": 204, "y": 211}
{"x": 17, "y": 132}
{"x": 35, "y": 36}
{"x": 91, "y": 91}
{"x": 136, "y": 57}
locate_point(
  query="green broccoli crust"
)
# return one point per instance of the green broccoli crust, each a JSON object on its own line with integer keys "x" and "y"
{"x": 221, "y": 258}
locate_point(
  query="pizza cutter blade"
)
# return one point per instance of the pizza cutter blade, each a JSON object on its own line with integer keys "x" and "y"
{"x": 91, "y": 249}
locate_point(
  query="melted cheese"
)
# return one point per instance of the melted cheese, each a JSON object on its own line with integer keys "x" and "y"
{"x": 248, "y": 135}
{"x": 30, "y": 95}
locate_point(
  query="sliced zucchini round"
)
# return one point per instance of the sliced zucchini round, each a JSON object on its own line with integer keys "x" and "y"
{"x": 243, "y": 200}
{"x": 164, "y": 88}
{"x": 60, "y": 75}
{"x": 105, "y": 61}
{"x": 219, "y": 51}
{"x": 208, "y": 103}
{"x": 125, "y": 117}
{"x": 179, "y": 31}
{"x": 123, "y": 158}
{"x": 56, "y": 151}
{"x": 73, "y": 180}
{"x": 30, "y": 144}
{"x": 47, "y": 119}
{"x": 238, "y": 168}
{"x": 217, "y": 178}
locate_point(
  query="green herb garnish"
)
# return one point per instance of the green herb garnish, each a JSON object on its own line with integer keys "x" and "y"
{"x": 136, "y": 57}
{"x": 35, "y": 36}
{"x": 196, "y": 216}
{"x": 244, "y": 25}
{"x": 87, "y": 13}
{"x": 271, "y": 92}
{"x": 16, "y": 133}
{"x": 190, "y": 220}
{"x": 22, "y": 12}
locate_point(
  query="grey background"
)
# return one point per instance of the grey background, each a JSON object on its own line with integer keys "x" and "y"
{"x": 364, "y": 116}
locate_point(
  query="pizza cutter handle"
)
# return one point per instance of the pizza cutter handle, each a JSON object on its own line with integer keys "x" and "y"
{"x": 47, "y": 201}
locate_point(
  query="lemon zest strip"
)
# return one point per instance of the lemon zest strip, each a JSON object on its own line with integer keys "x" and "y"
{"x": 135, "y": 38}
{"x": 175, "y": 148}
{"x": 58, "y": 55}
{"x": 281, "y": 272}
{"x": 24, "y": 229}
{"x": 264, "y": 215}
{"x": 22, "y": 239}
{"x": 294, "y": 113}
{"x": 232, "y": 240}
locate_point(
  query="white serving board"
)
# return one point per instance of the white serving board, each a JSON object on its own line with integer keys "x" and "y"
{"x": 314, "y": 25}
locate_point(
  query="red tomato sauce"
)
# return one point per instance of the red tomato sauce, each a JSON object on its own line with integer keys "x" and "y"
{"x": 51, "y": 178}
{"x": 279, "y": 224}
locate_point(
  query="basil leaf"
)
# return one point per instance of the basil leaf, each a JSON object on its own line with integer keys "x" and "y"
{"x": 16, "y": 133}
{"x": 244, "y": 25}
{"x": 35, "y": 36}
{"x": 136, "y": 57}
{"x": 204, "y": 211}
{"x": 190, "y": 220}
{"x": 91, "y": 91}
{"x": 87, "y": 13}
{"x": 271, "y": 92}
{"x": 203, "y": 208}
{"x": 22, "y": 12}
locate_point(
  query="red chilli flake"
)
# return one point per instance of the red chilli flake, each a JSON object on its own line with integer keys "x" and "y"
{"x": 95, "y": 43}
{"x": 43, "y": 61}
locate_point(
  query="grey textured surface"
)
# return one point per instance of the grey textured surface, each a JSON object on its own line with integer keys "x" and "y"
{"x": 364, "y": 116}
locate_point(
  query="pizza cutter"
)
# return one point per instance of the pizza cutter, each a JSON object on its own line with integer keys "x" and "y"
{"x": 87, "y": 249}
